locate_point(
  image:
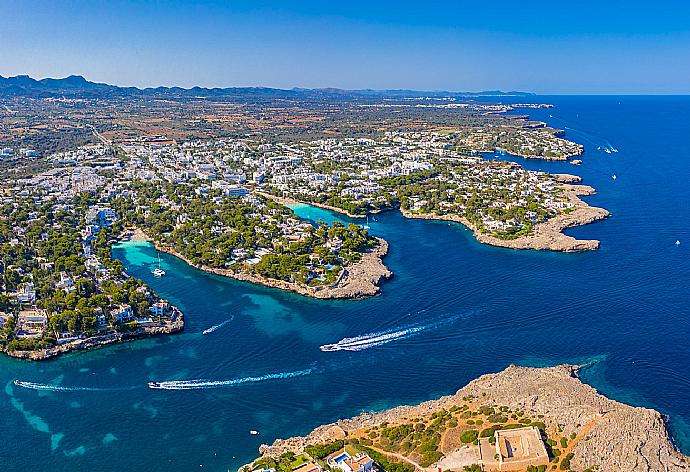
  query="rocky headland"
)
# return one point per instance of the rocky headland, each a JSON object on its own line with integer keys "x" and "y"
{"x": 359, "y": 280}
{"x": 547, "y": 236}
{"x": 607, "y": 435}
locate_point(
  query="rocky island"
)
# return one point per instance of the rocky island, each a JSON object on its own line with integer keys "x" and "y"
{"x": 576, "y": 427}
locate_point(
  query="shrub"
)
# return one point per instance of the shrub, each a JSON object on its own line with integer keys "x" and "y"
{"x": 429, "y": 458}
{"x": 565, "y": 463}
{"x": 497, "y": 418}
{"x": 564, "y": 443}
{"x": 386, "y": 464}
{"x": 322, "y": 450}
{"x": 469, "y": 436}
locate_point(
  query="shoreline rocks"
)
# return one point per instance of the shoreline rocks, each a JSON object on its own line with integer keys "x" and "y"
{"x": 620, "y": 437}
{"x": 100, "y": 341}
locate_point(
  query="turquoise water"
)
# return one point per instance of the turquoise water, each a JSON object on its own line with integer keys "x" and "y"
{"x": 454, "y": 310}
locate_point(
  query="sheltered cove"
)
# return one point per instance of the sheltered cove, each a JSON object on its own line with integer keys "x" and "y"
{"x": 547, "y": 236}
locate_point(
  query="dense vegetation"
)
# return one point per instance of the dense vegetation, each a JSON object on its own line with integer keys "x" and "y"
{"x": 40, "y": 244}
{"x": 243, "y": 234}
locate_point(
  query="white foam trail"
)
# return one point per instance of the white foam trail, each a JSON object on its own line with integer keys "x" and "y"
{"x": 370, "y": 340}
{"x": 53, "y": 388}
{"x": 203, "y": 384}
{"x": 218, "y": 326}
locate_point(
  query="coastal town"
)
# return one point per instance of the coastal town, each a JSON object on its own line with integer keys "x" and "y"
{"x": 61, "y": 290}
{"x": 270, "y": 236}
{"x": 222, "y": 205}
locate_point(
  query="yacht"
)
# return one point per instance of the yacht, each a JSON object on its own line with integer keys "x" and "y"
{"x": 154, "y": 385}
{"x": 254, "y": 432}
{"x": 158, "y": 272}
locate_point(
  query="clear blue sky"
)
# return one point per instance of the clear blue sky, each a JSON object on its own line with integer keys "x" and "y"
{"x": 547, "y": 47}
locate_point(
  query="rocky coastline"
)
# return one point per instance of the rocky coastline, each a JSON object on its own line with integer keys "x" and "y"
{"x": 360, "y": 280}
{"x": 547, "y": 236}
{"x": 615, "y": 437}
{"x": 94, "y": 342}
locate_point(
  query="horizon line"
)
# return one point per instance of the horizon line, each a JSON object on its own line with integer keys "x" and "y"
{"x": 513, "y": 92}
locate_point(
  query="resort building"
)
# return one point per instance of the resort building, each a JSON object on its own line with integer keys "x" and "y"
{"x": 31, "y": 323}
{"x": 358, "y": 463}
{"x": 514, "y": 450}
{"x": 3, "y": 319}
{"x": 308, "y": 467}
{"x": 159, "y": 309}
{"x": 123, "y": 313}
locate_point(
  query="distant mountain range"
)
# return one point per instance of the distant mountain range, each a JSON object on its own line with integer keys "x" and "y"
{"x": 76, "y": 86}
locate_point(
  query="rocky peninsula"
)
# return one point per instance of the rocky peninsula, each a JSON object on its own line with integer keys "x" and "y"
{"x": 546, "y": 236}
{"x": 360, "y": 280}
{"x": 596, "y": 433}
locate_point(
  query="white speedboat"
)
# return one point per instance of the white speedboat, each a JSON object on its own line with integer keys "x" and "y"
{"x": 254, "y": 432}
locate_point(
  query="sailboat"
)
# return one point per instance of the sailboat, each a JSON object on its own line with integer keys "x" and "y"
{"x": 614, "y": 177}
{"x": 677, "y": 242}
{"x": 366, "y": 226}
{"x": 158, "y": 272}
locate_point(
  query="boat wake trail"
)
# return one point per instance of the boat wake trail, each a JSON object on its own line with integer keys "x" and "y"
{"x": 366, "y": 341}
{"x": 204, "y": 384}
{"x": 54, "y": 388}
{"x": 218, "y": 326}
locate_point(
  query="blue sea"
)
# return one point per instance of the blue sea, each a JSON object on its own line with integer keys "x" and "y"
{"x": 455, "y": 310}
